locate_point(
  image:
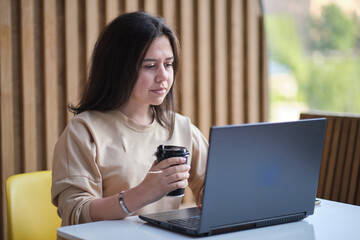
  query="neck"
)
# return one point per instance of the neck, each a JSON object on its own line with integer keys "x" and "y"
{"x": 144, "y": 116}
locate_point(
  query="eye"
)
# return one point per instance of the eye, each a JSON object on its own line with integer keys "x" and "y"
{"x": 149, "y": 66}
{"x": 168, "y": 65}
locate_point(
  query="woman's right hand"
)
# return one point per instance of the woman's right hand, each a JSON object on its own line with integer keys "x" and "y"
{"x": 164, "y": 177}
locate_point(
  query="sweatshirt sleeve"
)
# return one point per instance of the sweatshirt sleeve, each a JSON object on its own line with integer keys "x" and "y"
{"x": 198, "y": 164}
{"x": 76, "y": 179}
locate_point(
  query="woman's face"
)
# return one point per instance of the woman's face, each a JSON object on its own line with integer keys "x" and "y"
{"x": 156, "y": 74}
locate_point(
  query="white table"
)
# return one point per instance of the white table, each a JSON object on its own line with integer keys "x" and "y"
{"x": 331, "y": 220}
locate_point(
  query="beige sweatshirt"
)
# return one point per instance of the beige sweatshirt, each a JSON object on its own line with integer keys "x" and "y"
{"x": 100, "y": 154}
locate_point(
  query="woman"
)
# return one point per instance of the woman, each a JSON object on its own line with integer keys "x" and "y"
{"x": 104, "y": 165}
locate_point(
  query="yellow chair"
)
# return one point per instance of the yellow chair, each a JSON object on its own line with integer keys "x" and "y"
{"x": 30, "y": 213}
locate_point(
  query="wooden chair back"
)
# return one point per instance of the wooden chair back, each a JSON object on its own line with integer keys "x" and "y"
{"x": 340, "y": 168}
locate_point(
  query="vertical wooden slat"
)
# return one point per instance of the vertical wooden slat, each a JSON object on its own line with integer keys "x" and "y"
{"x": 332, "y": 159}
{"x": 236, "y": 63}
{"x": 263, "y": 107}
{"x": 39, "y": 85}
{"x": 28, "y": 86}
{"x": 50, "y": 79}
{"x": 151, "y": 6}
{"x": 356, "y": 167}
{"x": 252, "y": 59}
{"x": 131, "y": 5}
{"x": 204, "y": 110}
{"x": 61, "y": 55}
{"x": 83, "y": 46}
{"x": 187, "y": 81}
{"x": 169, "y": 13}
{"x": 92, "y": 25}
{"x": 345, "y": 184}
{"x": 357, "y": 193}
{"x": 6, "y": 103}
{"x": 72, "y": 35}
{"x": 220, "y": 63}
{"x": 16, "y": 82}
{"x": 112, "y": 10}
{"x": 341, "y": 154}
{"x": 357, "y": 201}
{"x": 326, "y": 156}
{"x": 354, "y": 186}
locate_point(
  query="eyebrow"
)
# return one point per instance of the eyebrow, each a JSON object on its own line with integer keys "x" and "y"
{"x": 154, "y": 60}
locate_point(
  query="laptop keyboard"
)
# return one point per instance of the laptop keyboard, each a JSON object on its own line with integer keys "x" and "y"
{"x": 191, "y": 222}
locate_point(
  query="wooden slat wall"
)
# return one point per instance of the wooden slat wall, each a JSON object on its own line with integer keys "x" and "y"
{"x": 45, "y": 46}
{"x": 340, "y": 168}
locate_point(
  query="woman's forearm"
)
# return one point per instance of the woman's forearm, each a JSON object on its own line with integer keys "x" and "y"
{"x": 109, "y": 208}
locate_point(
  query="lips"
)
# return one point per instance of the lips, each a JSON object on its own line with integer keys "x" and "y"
{"x": 159, "y": 91}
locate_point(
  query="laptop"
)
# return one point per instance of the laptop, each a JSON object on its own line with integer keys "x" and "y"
{"x": 257, "y": 175}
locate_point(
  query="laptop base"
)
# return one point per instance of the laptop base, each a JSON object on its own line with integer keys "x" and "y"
{"x": 162, "y": 220}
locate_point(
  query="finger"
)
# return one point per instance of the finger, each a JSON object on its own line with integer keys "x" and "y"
{"x": 177, "y": 169}
{"x": 171, "y": 161}
{"x": 178, "y": 184}
{"x": 176, "y": 177}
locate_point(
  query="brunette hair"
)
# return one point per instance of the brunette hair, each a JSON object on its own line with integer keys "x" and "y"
{"x": 115, "y": 64}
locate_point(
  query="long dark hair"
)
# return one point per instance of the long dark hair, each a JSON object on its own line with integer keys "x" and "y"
{"x": 115, "y": 64}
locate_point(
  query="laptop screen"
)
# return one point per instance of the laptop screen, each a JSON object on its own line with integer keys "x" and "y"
{"x": 262, "y": 171}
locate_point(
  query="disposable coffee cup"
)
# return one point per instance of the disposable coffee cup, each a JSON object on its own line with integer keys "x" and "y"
{"x": 168, "y": 151}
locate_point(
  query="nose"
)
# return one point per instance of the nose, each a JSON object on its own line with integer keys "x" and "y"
{"x": 161, "y": 74}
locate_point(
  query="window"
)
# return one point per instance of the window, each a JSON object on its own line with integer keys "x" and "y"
{"x": 314, "y": 56}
